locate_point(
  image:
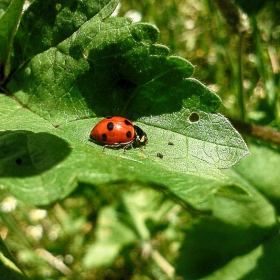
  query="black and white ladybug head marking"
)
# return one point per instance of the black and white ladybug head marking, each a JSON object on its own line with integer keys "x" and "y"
{"x": 140, "y": 135}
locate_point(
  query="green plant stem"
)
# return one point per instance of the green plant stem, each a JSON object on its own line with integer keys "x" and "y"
{"x": 259, "y": 51}
{"x": 241, "y": 98}
{"x": 257, "y": 131}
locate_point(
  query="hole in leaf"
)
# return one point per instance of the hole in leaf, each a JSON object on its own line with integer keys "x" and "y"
{"x": 194, "y": 117}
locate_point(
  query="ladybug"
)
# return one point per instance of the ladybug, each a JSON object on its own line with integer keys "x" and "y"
{"x": 116, "y": 132}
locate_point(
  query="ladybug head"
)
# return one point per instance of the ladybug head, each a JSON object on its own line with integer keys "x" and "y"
{"x": 140, "y": 135}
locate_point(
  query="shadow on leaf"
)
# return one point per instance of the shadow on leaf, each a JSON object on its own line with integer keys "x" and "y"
{"x": 130, "y": 74}
{"x": 24, "y": 153}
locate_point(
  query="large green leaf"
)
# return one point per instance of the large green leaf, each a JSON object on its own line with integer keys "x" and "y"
{"x": 122, "y": 75}
{"x": 258, "y": 263}
{"x": 241, "y": 224}
{"x": 242, "y": 241}
{"x": 107, "y": 66}
{"x": 47, "y": 23}
{"x": 215, "y": 249}
{"x": 41, "y": 163}
{"x": 261, "y": 169}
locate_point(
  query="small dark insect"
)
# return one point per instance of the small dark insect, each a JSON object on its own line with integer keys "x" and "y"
{"x": 160, "y": 155}
{"x": 170, "y": 143}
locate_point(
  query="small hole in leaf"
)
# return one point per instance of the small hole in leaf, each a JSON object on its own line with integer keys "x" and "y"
{"x": 194, "y": 117}
{"x": 19, "y": 161}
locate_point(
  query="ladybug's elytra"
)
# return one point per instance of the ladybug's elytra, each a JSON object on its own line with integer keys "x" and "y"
{"x": 116, "y": 132}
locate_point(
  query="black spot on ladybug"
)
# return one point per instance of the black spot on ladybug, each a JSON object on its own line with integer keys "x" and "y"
{"x": 19, "y": 161}
{"x": 104, "y": 137}
{"x": 110, "y": 126}
{"x": 160, "y": 155}
{"x": 127, "y": 122}
{"x": 128, "y": 134}
{"x": 194, "y": 117}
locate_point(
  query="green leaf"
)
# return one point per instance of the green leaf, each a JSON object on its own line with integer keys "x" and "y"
{"x": 123, "y": 83}
{"x": 108, "y": 66}
{"x": 111, "y": 236}
{"x": 209, "y": 138}
{"x": 42, "y": 163}
{"x": 126, "y": 224}
{"x": 245, "y": 225}
{"x": 229, "y": 243}
{"x": 30, "y": 149}
{"x": 133, "y": 86}
{"x": 259, "y": 263}
{"x": 261, "y": 170}
{"x": 47, "y": 23}
{"x": 8, "y": 25}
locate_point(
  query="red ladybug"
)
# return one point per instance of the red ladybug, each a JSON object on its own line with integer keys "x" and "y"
{"x": 116, "y": 132}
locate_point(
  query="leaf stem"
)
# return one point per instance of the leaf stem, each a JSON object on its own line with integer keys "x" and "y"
{"x": 241, "y": 98}
{"x": 53, "y": 261}
{"x": 163, "y": 263}
{"x": 256, "y": 131}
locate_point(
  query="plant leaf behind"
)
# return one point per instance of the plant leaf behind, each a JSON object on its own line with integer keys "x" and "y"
{"x": 47, "y": 23}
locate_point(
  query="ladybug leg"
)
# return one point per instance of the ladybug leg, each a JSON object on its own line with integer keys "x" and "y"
{"x": 115, "y": 146}
{"x": 127, "y": 146}
{"x": 118, "y": 145}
